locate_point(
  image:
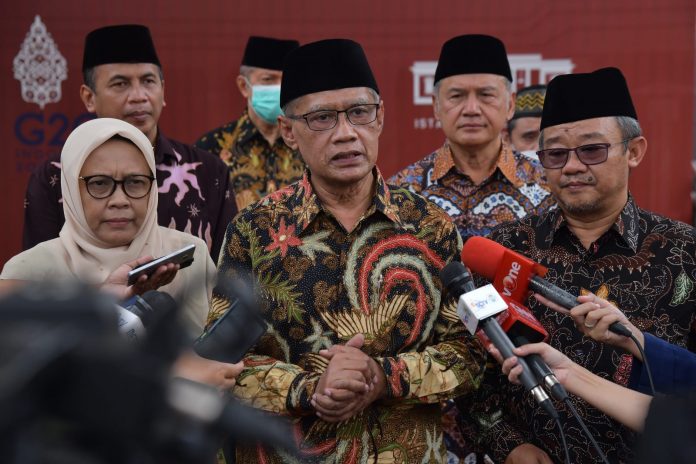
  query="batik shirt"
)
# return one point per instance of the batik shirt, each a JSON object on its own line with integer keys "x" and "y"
{"x": 516, "y": 187}
{"x": 192, "y": 186}
{"x": 645, "y": 265}
{"x": 324, "y": 285}
{"x": 256, "y": 168}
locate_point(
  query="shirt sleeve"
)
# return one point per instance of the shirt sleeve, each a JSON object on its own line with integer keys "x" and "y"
{"x": 266, "y": 382}
{"x": 451, "y": 366}
{"x": 673, "y": 368}
{"x": 43, "y": 211}
{"x": 225, "y": 208}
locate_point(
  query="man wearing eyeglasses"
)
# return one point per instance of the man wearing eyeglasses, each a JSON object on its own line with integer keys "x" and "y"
{"x": 365, "y": 343}
{"x": 259, "y": 161}
{"x": 123, "y": 79}
{"x": 475, "y": 176}
{"x": 597, "y": 241}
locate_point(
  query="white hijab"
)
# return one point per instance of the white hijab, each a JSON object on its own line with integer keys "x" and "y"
{"x": 78, "y": 252}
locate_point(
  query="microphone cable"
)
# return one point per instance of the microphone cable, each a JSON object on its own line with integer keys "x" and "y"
{"x": 563, "y": 440}
{"x": 586, "y": 430}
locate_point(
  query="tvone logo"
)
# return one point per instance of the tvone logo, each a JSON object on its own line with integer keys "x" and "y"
{"x": 510, "y": 280}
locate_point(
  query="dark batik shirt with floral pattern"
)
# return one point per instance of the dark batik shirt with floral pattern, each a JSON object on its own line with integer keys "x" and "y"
{"x": 256, "y": 167}
{"x": 323, "y": 285}
{"x": 192, "y": 186}
{"x": 644, "y": 264}
{"x": 516, "y": 188}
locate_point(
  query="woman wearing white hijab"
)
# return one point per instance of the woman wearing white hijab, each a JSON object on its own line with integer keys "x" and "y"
{"x": 106, "y": 234}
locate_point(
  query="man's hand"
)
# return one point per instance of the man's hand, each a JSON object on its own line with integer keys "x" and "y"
{"x": 117, "y": 282}
{"x": 351, "y": 382}
{"x": 527, "y": 453}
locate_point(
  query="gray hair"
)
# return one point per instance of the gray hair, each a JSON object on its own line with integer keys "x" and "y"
{"x": 245, "y": 71}
{"x": 88, "y": 77}
{"x": 290, "y": 107}
{"x": 628, "y": 126}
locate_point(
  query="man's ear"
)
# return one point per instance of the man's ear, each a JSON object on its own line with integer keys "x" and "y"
{"x": 87, "y": 97}
{"x": 511, "y": 107}
{"x": 164, "y": 102}
{"x": 636, "y": 151}
{"x": 244, "y": 87}
{"x": 285, "y": 125}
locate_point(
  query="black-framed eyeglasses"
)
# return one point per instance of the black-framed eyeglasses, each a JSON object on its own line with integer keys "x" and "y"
{"x": 593, "y": 153}
{"x": 358, "y": 115}
{"x": 101, "y": 186}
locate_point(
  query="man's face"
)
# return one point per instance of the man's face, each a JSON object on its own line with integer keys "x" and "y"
{"x": 524, "y": 136}
{"x": 584, "y": 191}
{"x": 257, "y": 76}
{"x": 473, "y": 108}
{"x": 132, "y": 92}
{"x": 343, "y": 155}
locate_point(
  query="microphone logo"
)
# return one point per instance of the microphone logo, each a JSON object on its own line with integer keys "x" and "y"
{"x": 510, "y": 280}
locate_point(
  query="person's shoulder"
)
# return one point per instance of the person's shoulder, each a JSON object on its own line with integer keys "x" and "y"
{"x": 210, "y": 137}
{"x": 192, "y": 153}
{"x": 35, "y": 263}
{"x": 670, "y": 228}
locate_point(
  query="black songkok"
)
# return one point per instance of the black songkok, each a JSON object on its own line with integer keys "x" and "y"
{"x": 127, "y": 43}
{"x": 325, "y": 65}
{"x": 266, "y": 52}
{"x": 530, "y": 102}
{"x": 473, "y": 54}
{"x": 575, "y": 97}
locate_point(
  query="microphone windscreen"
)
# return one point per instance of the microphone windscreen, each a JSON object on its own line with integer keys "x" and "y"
{"x": 483, "y": 256}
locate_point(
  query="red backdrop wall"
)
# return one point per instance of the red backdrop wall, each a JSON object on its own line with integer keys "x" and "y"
{"x": 200, "y": 45}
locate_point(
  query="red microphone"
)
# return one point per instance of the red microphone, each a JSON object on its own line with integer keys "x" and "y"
{"x": 514, "y": 275}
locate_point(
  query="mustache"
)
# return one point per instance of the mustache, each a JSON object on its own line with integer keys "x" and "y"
{"x": 588, "y": 180}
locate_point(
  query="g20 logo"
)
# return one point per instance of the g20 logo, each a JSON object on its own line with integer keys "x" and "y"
{"x": 35, "y": 129}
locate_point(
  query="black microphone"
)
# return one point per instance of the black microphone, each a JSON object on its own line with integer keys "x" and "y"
{"x": 238, "y": 329}
{"x": 477, "y": 308}
{"x": 514, "y": 275}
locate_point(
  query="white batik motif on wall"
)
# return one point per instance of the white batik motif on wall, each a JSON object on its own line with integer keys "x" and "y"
{"x": 39, "y": 66}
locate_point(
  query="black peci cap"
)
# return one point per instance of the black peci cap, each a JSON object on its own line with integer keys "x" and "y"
{"x": 325, "y": 65}
{"x": 473, "y": 54}
{"x": 126, "y": 43}
{"x": 574, "y": 97}
{"x": 266, "y": 52}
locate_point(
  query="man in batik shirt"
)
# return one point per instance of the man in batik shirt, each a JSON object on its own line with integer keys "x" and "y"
{"x": 123, "y": 80}
{"x": 363, "y": 344}
{"x": 260, "y": 162}
{"x": 475, "y": 176}
{"x": 597, "y": 241}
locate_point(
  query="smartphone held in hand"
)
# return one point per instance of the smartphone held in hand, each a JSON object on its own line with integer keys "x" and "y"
{"x": 182, "y": 257}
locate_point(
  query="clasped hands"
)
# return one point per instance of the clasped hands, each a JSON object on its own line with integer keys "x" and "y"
{"x": 351, "y": 382}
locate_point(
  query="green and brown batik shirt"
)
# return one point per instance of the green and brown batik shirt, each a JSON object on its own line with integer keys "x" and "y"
{"x": 323, "y": 285}
{"x": 256, "y": 167}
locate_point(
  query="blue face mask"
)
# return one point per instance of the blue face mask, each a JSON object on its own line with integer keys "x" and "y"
{"x": 265, "y": 99}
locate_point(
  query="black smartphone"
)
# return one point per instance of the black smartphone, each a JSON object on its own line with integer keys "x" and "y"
{"x": 182, "y": 257}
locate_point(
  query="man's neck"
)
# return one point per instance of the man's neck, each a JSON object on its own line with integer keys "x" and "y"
{"x": 588, "y": 228}
{"x": 477, "y": 162}
{"x": 270, "y": 132}
{"x": 347, "y": 203}
{"x": 152, "y": 137}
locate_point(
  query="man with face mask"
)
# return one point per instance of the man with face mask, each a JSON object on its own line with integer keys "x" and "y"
{"x": 260, "y": 162}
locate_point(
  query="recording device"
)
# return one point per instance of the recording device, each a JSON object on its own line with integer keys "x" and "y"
{"x": 238, "y": 329}
{"x": 133, "y": 320}
{"x": 513, "y": 275}
{"x": 182, "y": 257}
{"x": 72, "y": 389}
{"x": 477, "y": 308}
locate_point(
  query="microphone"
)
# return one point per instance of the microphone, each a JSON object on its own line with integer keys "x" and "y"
{"x": 146, "y": 311}
{"x": 514, "y": 275}
{"x": 237, "y": 330}
{"x": 476, "y": 308}
{"x": 523, "y": 328}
